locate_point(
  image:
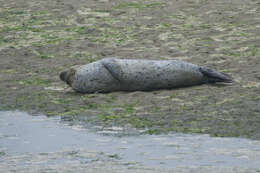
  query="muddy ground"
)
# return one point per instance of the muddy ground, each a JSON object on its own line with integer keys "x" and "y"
{"x": 40, "y": 38}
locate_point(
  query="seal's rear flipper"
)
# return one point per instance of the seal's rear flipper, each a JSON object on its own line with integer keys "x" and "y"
{"x": 213, "y": 76}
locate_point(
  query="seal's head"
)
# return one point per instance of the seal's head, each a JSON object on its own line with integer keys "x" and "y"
{"x": 68, "y": 76}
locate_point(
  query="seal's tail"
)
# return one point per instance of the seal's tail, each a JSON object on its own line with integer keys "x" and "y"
{"x": 213, "y": 76}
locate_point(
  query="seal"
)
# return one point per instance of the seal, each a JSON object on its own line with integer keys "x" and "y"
{"x": 111, "y": 74}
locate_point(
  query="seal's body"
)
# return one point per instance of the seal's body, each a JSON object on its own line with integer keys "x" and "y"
{"x": 110, "y": 74}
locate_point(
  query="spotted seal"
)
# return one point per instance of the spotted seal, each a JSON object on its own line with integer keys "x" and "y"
{"x": 111, "y": 74}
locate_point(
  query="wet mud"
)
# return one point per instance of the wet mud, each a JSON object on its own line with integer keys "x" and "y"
{"x": 40, "y": 144}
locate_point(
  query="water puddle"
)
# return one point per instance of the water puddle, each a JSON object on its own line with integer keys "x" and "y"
{"x": 24, "y": 137}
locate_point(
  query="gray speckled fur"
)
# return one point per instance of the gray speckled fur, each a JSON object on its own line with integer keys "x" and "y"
{"x": 111, "y": 74}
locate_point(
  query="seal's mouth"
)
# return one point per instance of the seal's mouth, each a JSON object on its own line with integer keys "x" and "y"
{"x": 68, "y": 76}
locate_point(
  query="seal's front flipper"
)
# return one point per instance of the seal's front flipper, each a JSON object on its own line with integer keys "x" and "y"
{"x": 113, "y": 68}
{"x": 213, "y": 76}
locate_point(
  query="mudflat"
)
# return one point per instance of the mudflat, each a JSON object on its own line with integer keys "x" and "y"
{"x": 41, "y": 38}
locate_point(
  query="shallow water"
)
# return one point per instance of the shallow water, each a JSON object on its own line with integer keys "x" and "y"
{"x": 24, "y": 136}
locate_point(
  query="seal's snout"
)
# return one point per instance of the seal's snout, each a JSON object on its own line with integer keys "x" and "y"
{"x": 68, "y": 76}
{"x": 63, "y": 76}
